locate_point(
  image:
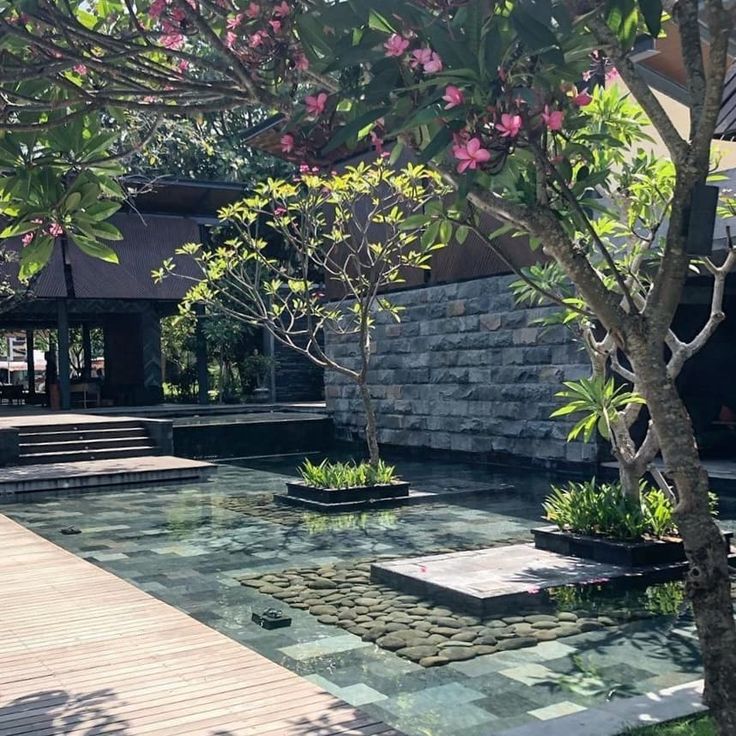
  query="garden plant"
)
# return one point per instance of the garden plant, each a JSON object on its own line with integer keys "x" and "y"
{"x": 352, "y": 228}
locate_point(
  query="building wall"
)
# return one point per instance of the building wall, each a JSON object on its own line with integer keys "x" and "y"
{"x": 465, "y": 370}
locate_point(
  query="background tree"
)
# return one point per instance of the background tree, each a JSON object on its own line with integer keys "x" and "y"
{"x": 210, "y": 147}
{"x": 354, "y": 228}
{"x": 488, "y": 93}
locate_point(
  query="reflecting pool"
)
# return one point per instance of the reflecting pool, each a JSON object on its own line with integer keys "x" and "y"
{"x": 194, "y": 545}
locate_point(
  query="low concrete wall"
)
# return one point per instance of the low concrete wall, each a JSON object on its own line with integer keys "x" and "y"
{"x": 9, "y": 446}
{"x": 465, "y": 370}
{"x": 161, "y": 432}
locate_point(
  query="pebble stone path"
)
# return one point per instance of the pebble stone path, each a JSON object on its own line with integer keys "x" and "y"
{"x": 414, "y": 628}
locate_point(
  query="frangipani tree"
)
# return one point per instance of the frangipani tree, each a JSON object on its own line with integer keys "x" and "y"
{"x": 353, "y": 229}
{"x": 630, "y": 222}
{"x": 488, "y": 93}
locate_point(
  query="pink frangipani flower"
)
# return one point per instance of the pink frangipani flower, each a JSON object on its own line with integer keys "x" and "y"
{"x": 172, "y": 41}
{"x": 470, "y": 155}
{"x": 453, "y": 96}
{"x": 396, "y": 45}
{"x": 56, "y": 230}
{"x": 256, "y": 39}
{"x": 156, "y": 8}
{"x": 27, "y": 239}
{"x": 80, "y": 69}
{"x": 429, "y": 60}
{"x": 282, "y": 9}
{"x": 275, "y": 25}
{"x": 301, "y": 62}
{"x": 316, "y": 104}
{"x": 377, "y": 141}
{"x": 581, "y": 99}
{"x": 234, "y": 22}
{"x": 510, "y": 125}
{"x": 287, "y": 143}
{"x": 553, "y": 120}
{"x": 253, "y": 10}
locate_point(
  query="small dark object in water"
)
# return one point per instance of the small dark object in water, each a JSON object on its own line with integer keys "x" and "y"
{"x": 70, "y": 530}
{"x": 271, "y": 618}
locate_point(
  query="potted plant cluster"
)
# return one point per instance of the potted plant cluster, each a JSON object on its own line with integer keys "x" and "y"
{"x": 254, "y": 371}
{"x": 346, "y": 485}
{"x": 598, "y": 521}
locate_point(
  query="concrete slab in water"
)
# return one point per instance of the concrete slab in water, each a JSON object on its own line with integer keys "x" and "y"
{"x": 485, "y": 581}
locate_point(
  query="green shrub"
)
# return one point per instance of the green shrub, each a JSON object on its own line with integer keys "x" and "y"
{"x": 346, "y": 475}
{"x": 602, "y": 508}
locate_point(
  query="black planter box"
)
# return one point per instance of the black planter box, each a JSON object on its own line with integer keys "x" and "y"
{"x": 360, "y": 494}
{"x": 625, "y": 554}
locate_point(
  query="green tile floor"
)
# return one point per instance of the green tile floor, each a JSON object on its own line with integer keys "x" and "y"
{"x": 182, "y": 546}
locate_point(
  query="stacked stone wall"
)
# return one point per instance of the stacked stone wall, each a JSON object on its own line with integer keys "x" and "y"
{"x": 465, "y": 370}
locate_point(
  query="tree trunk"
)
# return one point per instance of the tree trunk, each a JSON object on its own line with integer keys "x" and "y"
{"x": 371, "y": 432}
{"x": 629, "y": 477}
{"x": 707, "y": 583}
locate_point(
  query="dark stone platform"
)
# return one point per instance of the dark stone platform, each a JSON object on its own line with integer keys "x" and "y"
{"x": 491, "y": 581}
{"x": 641, "y": 553}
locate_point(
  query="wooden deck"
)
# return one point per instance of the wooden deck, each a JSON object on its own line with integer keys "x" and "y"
{"x": 85, "y": 653}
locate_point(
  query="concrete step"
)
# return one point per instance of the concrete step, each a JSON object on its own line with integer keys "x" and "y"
{"x": 85, "y": 443}
{"x": 30, "y": 437}
{"x": 36, "y": 458}
{"x": 65, "y": 476}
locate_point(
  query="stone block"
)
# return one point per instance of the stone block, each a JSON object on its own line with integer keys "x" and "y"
{"x": 455, "y": 308}
{"x": 490, "y": 322}
{"x": 526, "y": 336}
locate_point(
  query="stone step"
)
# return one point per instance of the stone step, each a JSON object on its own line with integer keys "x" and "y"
{"x": 78, "y": 426}
{"x": 36, "y": 458}
{"x": 69, "y": 435}
{"x": 84, "y": 443}
{"x": 65, "y": 476}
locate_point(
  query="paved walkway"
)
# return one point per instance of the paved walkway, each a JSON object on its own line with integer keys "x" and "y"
{"x": 84, "y": 653}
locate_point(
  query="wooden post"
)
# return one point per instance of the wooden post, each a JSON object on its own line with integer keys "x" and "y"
{"x": 30, "y": 367}
{"x": 203, "y": 382}
{"x": 63, "y": 330}
{"x": 86, "y": 352}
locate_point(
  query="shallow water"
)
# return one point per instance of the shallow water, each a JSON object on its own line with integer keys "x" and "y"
{"x": 189, "y": 544}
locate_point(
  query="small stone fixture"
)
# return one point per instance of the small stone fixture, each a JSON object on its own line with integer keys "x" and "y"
{"x": 271, "y": 618}
{"x": 414, "y": 628}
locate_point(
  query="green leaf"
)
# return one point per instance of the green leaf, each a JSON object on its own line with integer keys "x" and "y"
{"x": 106, "y": 231}
{"x": 35, "y": 256}
{"x": 102, "y": 210}
{"x": 461, "y": 234}
{"x": 437, "y": 145}
{"x": 429, "y": 236}
{"x": 95, "y": 248}
{"x": 652, "y": 12}
{"x": 379, "y": 22}
{"x": 354, "y": 130}
{"x": 18, "y": 228}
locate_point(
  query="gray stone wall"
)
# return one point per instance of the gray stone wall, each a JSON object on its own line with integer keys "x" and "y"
{"x": 465, "y": 370}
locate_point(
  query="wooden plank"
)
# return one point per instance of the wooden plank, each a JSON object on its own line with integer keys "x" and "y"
{"x": 85, "y": 652}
